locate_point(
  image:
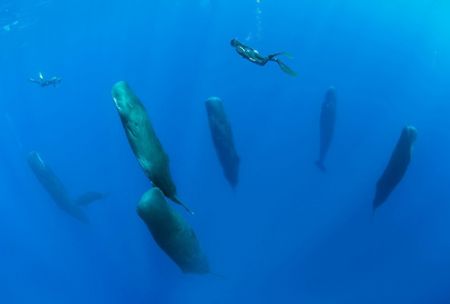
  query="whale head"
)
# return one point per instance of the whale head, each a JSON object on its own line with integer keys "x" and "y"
{"x": 131, "y": 111}
{"x": 123, "y": 97}
{"x": 35, "y": 160}
{"x": 411, "y": 133}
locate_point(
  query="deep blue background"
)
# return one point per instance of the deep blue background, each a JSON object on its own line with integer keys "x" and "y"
{"x": 288, "y": 233}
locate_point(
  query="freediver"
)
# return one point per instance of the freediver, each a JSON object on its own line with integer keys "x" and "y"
{"x": 46, "y": 82}
{"x": 254, "y": 56}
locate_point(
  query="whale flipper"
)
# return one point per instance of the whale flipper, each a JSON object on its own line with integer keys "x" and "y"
{"x": 89, "y": 197}
{"x": 176, "y": 200}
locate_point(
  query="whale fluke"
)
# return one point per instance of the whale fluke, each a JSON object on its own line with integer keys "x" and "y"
{"x": 88, "y": 198}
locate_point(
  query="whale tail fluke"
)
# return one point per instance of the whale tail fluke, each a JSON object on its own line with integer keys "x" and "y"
{"x": 89, "y": 197}
{"x": 176, "y": 200}
{"x": 217, "y": 275}
{"x": 321, "y": 166}
{"x": 76, "y": 212}
{"x": 284, "y": 67}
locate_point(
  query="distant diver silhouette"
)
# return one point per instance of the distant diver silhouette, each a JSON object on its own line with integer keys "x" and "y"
{"x": 46, "y": 82}
{"x": 254, "y": 56}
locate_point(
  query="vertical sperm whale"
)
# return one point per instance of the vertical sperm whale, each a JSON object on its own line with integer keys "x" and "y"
{"x": 397, "y": 166}
{"x": 54, "y": 186}
{"x": 327, "y": 123}
{"x": 143, "y": 140}
{"x": 222, "y": 137}
{"x": 172, "y": 233}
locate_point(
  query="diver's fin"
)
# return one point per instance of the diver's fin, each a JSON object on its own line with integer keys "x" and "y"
{"x": 89, "y": 197}
{"x": 288, "y": 55}
{"x": 285, "y": 68}
{"x": 176, "y": 200}
{"x": 271, "y": 57}
{"x": 321, "y": 166}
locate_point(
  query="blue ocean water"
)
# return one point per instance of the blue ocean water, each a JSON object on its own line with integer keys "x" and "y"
{"x": 287, "y": 233}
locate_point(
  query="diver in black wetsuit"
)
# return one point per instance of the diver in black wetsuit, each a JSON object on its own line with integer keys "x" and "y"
{"x": 254, "y": 56}
{"x": 46, "y": 82}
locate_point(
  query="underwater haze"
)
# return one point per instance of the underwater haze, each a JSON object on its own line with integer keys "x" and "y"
{"x": 287, "y": 232}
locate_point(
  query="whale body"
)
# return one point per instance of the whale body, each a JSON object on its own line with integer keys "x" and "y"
{"x": 143, "y": 140}
{"x": 222, "y": 137}
{"x": 327, "y": 122}
{"x": 397, "y": 166}
{"x": 172, "y": 233}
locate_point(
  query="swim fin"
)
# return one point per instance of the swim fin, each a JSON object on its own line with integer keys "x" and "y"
{"x": 285, "y": 68}
{"x": 272, "y": 56}
{"x": 88, "y": 198}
